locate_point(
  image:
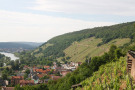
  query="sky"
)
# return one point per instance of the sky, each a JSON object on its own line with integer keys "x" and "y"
{"x": 41, "y": 20}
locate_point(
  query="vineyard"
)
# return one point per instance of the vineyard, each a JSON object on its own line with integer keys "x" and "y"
{"x": 111, "y": 76}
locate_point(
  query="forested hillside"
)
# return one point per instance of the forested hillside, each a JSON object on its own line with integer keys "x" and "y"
{"x": 55, "y": 47}
{"x": 15, "y": 45}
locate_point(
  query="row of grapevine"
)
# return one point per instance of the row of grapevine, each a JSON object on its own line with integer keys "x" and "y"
{"x": 111, "y": 76}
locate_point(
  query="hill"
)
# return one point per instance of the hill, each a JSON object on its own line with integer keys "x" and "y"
{"x": 80, "y": 43}
{"x": 34, "y": 44}
{"x": 15, "y": 45}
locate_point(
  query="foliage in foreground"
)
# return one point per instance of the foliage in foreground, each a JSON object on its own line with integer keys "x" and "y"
{"x": 111, "y": 76}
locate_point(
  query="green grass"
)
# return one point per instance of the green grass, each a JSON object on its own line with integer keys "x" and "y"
{"x": 43, "y": 48}
{"x": 79, "y": 50}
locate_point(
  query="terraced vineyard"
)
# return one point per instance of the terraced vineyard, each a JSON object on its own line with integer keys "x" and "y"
{"x": 111, "y": 76}
{"x": 79, "y": 50}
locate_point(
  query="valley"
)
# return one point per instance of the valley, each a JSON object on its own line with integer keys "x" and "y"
{"x": 80, "y": 57}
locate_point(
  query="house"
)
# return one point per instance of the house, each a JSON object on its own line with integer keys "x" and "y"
{"x": 26, "y": 82}
{"x": 35, "y": 67}
{"x": 7, "y": 82}
{"x": 131, "y": 63}
{"x": 46, "y": 67}
{"x": 25, "y": 67}
{"x": 55, "y": 77}
{"x": 79, "y": 63}
{"x": 72, "y": 68}
{"x": 64, "y": 72}
{"x": 37, "y": 76}
{"x": 42, "y": 71}
{"x": 20, "y": 74}
{"x": 16, "y": 79}
{"x": 2, "y": 82}
{"x": 40, "y": 75}
{"x": 46, "y": 80}
{"x": 7, "y": 88}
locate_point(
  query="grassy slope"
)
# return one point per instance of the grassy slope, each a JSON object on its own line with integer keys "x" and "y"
{"x": 43, "y": 48}
{"x": 102, "y": 80}
{"x": 79, "y": 50}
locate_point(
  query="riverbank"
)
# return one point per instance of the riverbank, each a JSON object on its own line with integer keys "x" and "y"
{"x": 11, "y": 55}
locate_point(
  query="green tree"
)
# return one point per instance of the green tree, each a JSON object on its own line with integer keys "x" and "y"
{"x": 44, "y": 77}
{"x": 4, "y": 76}
{"x": 27, "y": 71}
{"x": 25, "y": 76}
{"x": 111, "y": 52}
{"x": 51, "y": 72}
{"x": 17, "y": 61}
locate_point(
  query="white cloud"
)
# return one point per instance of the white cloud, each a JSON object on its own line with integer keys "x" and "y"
{"x": 115, "y": 7}
{"x": 40, "y": 28}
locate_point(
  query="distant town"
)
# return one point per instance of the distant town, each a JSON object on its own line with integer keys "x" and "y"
{"x": 33, "y": 75}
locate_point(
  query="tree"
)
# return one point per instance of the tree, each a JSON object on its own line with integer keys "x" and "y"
{"x": 57, "y": 74}
{"x": 25, "y": 76}
{"x": 4, "y": 76}
{"x": 27, "y": 71}
{"x": 29, "y": 78}
{"x": 21, "y": 67}
{"x": 17, "y": 61}
{"x": 7, "y": 68}
{"x": 68, "y": 57}
{"x": 1, "y": 64}
{"x": 44, "y": 77}
{"x": 51, "y": 72}
{"x": 111, "y": 52}
{"x": 117, "y": 53}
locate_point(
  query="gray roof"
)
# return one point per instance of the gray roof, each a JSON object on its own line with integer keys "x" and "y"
{"x": 20, "y": 74}
{"x": 2, "y": 82}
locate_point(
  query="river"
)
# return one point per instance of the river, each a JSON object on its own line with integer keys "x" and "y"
{"x": 11, "y": 55}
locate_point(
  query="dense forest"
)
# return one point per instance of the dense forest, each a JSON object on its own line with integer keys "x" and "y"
{"x": 107, "y": 33}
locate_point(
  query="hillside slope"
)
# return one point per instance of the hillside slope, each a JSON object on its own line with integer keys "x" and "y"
{"x": 57, "y": 46}
{"x": 78, "y": 51}
{"x": 111, "y": 76}
{"x": 15, "y": 45}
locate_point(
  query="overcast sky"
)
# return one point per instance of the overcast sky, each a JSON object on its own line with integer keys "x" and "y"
{"x": 41, "y": 20}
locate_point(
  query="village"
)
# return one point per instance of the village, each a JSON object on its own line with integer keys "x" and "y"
{"x": 37, "y": 75}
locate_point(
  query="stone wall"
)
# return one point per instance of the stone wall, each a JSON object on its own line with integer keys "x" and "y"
{"x": 131, "y": 63}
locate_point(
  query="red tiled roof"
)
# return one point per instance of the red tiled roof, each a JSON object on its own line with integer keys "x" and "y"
{"x": 64, "y": 72}
{"x": 26, "y": 81}
{"x": 8, "y": 88}
{"x": 46, "y": 66}
{"x": 40, "y": 75}
{"x": 55, "y": 77}
{"x": 25, "y": 66}
{"x": 34, "y": 66}
{"x": 43, "y": 71}
{"x": 80, "y": 63}
{"x": 17, "y": 77}
{"x": 48, "y": 69}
